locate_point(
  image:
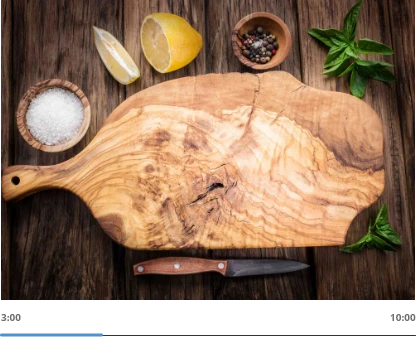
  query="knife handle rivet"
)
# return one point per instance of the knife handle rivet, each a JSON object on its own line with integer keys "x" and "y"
{"x": 177, "y": 265}
{"x": 140, "y": 269}
{"x": 221, "y": 265}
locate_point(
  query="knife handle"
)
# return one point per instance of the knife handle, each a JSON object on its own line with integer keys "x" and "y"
{"x": 180, "y": 266}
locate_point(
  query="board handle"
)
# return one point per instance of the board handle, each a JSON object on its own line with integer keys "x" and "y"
{"x": 20, "y": 181}
{"x": 179, "y": 266}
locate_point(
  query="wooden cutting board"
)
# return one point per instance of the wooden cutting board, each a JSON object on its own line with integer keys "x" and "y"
{"x": 224, "y": 161}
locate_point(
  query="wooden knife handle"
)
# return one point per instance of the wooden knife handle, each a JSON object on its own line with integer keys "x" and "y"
{"x": 180, "y": 266}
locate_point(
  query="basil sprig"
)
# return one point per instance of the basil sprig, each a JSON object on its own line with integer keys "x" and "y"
{"x": 343, "y": 57}
{"x": 380, "y": 235}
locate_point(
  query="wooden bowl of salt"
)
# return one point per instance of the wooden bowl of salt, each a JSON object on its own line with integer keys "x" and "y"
{"x": 53, "y": 115}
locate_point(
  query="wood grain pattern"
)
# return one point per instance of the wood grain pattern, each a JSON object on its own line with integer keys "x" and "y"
{"x": 180, "y": 266}
{"x": 74, "y": 246}
{"x": 157, "y": 287}
{"x": 222, "y": 16}
{"x": 71, "y": 240}
{"x": 368, "y": 267}
{"x": 404, "y": 64}
{"x": 269, "y": 162}
{"x": 5, "y": 140}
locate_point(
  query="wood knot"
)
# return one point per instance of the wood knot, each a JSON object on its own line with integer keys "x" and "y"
{"x": 210, "y": 188}
{"x": 114, "y": 227}
{"x": 158, "y": 138}
{"x": 149, "y": 168}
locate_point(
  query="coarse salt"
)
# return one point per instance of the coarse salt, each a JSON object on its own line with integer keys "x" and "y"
{"x": 55, "y": 116}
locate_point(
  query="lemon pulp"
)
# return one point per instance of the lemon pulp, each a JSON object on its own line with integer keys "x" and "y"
{"x": 115, "y": 58}
{"x": 169, "y": 42}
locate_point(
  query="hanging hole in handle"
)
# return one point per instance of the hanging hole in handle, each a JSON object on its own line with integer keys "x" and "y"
{"x": 16, "y": 180}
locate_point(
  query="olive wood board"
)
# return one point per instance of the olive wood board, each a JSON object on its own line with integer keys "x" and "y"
{"x": 224, "y": 161}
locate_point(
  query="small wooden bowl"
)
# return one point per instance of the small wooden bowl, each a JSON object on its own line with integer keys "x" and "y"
{"x": 31, "y": 94}
{"x": 270, "y": 23}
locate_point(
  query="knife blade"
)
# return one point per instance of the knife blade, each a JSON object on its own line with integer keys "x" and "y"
{"x": 228, "y": 268}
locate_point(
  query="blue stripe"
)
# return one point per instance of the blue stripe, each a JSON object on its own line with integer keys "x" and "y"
{"x": 51, "y": 334}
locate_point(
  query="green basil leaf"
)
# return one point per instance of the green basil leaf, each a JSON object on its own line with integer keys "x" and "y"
{"x": 351, "y": 52}
{"x": 367, "y": 63}
{"x": 383, "y": 228}
{"x": 350, "y": 22}
{"x": 337, "y": 69}
{"x": 376, "y": 71}
{"x": 358, "y": 83}
{"x": 370, "y": 226}
{"x": 348, "y": 70}
{"x": 339, "y": 43}
{"x": 327, "y": 36}
{"x": 368, "y": 46}
{"x": 370, "y": 243}
{"x": 382, "y": 216}
{"x": 379, "y": 243}
{"x": 356, "y": 247}
{"x": 388, "y": 233}
{"x": 335, "y": 56}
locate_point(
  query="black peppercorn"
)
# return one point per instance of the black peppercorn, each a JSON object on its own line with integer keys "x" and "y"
{"x": 258, "y": 46}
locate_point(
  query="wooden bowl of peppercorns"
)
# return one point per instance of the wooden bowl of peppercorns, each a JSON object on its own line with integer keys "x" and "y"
{"x": 261, "y": 41}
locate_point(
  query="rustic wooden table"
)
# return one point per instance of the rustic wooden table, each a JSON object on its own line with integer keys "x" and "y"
{"x": 52, "y": 248}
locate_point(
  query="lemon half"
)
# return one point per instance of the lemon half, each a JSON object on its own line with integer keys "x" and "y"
{"x": 168, "y": 41}
{"x": 116, "y": 59}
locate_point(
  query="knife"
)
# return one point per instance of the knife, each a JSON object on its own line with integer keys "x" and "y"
{"x": 228, "y": 268}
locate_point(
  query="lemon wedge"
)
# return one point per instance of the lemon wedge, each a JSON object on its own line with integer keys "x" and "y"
{"x": 116, "y": 59}
{"x": 168, "y": 41}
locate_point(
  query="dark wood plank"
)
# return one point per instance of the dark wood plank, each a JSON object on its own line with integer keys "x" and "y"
{"x": 6, "y": 138}
{"x": 154, "y": 286}
{"x": 59, "y": 251}
{"x": 221, "y": 17}
{"x": 371, "y": 274}
{"x": 403, "y": 39}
